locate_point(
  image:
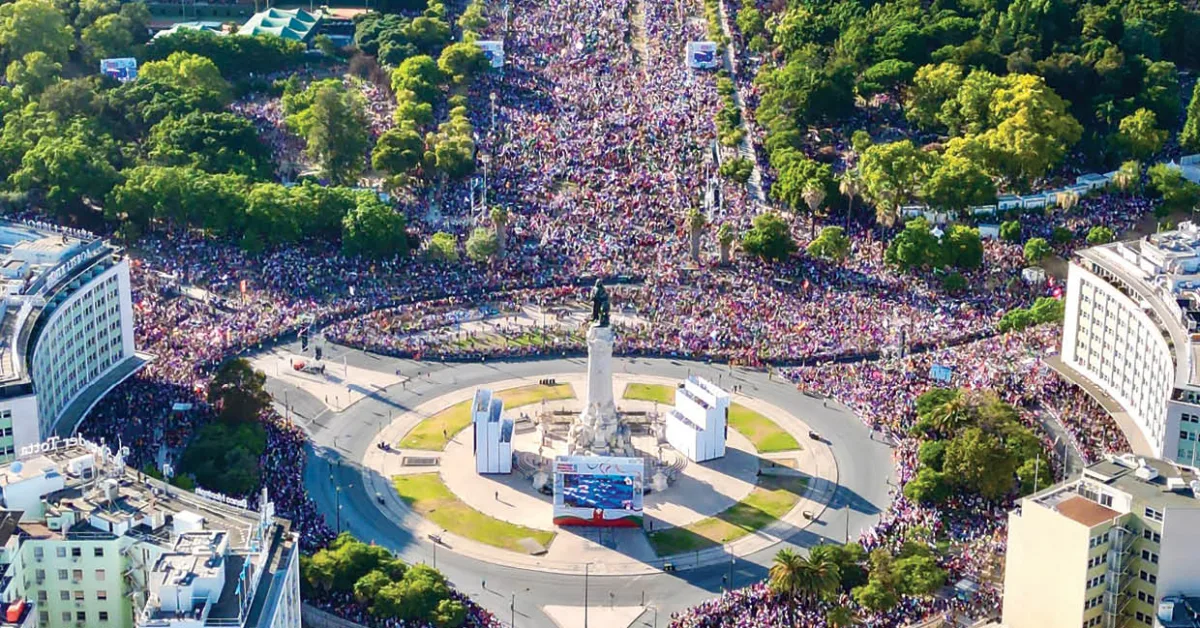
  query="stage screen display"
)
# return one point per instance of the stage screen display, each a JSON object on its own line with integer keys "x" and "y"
{"x": 598, "y": 491}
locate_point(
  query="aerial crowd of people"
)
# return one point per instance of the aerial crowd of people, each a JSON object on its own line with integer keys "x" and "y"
{"x": 598, "y": 151}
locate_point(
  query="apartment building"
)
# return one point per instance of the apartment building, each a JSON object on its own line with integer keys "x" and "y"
{"x": 95, "y": 544}
{"x": 1111, "y": 548}
{"x": 1131, "y": 316}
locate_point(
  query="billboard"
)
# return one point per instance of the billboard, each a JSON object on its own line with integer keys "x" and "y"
{"x": 598, "y": 491}
{"x": 123, "y": 69}
{"x": 702, "y": 54}
{"x": 494, "y": 51}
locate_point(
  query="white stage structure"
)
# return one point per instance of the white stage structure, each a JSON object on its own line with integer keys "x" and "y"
{"x": 698, "y": 423}
{"x": 493, "y": 434}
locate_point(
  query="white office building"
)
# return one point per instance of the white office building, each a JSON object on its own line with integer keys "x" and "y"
{"x": 493, "y": 433}
{"x": 697, "y": 425}
{"x": 88, "y": 542}
{"x": 1131, "y": 319}
{"x": 66, "y": 330}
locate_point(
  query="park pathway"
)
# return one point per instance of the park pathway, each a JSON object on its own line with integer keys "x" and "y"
{"x": 745, "y": 148}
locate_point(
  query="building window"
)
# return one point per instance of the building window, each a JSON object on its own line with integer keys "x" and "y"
{"x": 76, "y": 552}
{"x": 38, "y": 553}
{"x": 98, "y": 552}
{"x": 1148, "y": 577}
{"x": 62, "y": 574}
{"x": 1154, "y": 515}
{"x": 1106, "y": 500}
{"x": 66, "y": 615}
{"x": 42, "y": 596}
{"x": 64, "y": 596}
{"x": 1151, "y": 535}
{"x": 61, "y": 552}
{"x": 103, "y": 615}
{"x": 80, "y": 616}
{"x": 101, "y": 594}
{"x": 43, "y": 617}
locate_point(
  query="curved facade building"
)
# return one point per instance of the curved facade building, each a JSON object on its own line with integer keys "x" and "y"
{"x": 66, "y": 330}
{"x": 1131, "y": 321}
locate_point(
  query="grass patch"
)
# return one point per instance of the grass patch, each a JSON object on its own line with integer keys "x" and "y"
{"x": 435, "y": 432}
{"x": 771, "y": 499}
{"x": 428, "y": 495}
{"x": 428, "y": 434}
{"x": 525, "y": 395}
{"x": 766, "y": 435}
{"x": 650, "y": 392}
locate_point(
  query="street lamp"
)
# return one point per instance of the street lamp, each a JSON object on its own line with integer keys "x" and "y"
{"x": 492, "y": 97}
{"x": 586, "y": 568}
{"x": 483, "y": 157}
{"x": 655, "y": 609}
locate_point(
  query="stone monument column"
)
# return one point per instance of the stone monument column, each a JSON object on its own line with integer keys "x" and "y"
{"x": 600, "y": 382}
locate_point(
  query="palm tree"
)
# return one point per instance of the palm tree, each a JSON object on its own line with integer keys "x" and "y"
{"x": 1127, "y": 175}
{"x": 695, "y": 227}
{"x": 805, "y": 578}
{"x": 1068, "y": 200}
{"x": 725, "y": 237}
{"x": 499, "y": 217}
{"x": 840, "y": 617}
{"x": 850, "y": 186}
{"x": 813, "y": 196}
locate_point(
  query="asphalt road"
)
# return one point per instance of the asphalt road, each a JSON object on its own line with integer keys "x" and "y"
{"x": 339, "y": 440}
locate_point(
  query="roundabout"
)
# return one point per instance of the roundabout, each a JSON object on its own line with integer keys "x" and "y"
{"x": 846, "y": 496}
{"x": 732, "y": 506}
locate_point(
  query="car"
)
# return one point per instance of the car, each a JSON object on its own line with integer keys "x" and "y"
{"x": 813, "y": 434}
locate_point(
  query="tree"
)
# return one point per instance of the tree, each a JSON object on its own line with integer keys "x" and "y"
{"x": 338, "y": 137}
{"x": 962, "y": 247}
{"x": 499, "y": 217}
{"x": 796, "y": 577}
{"x": 1189, "y": 138}
{"x": 442, "y": 247}
{"x": 1036, "y": 250}
{"x": 213, "y": 142}
{"x": 1032, "y": 128}
{"x": 482, "y": 245}
{"x": 879, "y": 593}
{"x": 347, "y": 561}
{"x": 34, "y": 26}
{"x": 840, "y": 617}
{"x": 1139, "y": 134}
{"x": 33, "y": 73}
{"x": 1100, "y": 235}
{"x": 237, "y": 392}
{"x": 1034, "y": 475}
{"x": 695, "y": 223}
{"x": 73, "y": 170}
{"x": 957, "y": 183}
{"x": 725, "y": 239}
{"x": 978, "y": 461}
{"x": 918, "y": 574}
{"x": 420, "y": 75}
{"x": 187, "y": 72}
{"x": 914, "y": 247}
{"x": 373, "y": 229}
{"x": 769, "y": 238}
{"x": 813, "y": 195}
{"x": 1127, "y": 176}
{"x": 832, "y": 244}
{"x": 797, "y": 175}
{"x": 109, "y": 36}
{"x": 928, "y": 487}
{"x": 932, "y": 87}
{"x": 225, "y": 457}
{"x": 1010, "y": 231}
{"x": 1178, "y": 194}
{"x": 850, "y": 185}
{"x": 1067, "y": 200}
{"x": 398, "y": 150}
{"x": 461, "y": 61}
{"x": 891, "y": 175}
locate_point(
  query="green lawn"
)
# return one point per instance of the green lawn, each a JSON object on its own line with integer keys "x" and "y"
{"x": 766, "y": 435}
{"x": 771, "y": 499}
{"x": 650, "y": 392}
{"x": 435, "y": 432}
{"x": 427, "y": 495}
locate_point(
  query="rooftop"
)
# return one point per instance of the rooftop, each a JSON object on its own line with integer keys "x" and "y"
{"x": 40, "y": 266}
{"x": 1178, "y": 611}
{"x": 294, "y": 24}
{"x": 1086, "y": 511}
{"x": 1151, "y": 482}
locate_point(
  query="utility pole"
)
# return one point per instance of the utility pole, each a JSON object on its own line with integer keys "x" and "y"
{"x": 586, "y": 566}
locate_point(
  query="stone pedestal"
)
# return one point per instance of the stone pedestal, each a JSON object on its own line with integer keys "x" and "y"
{"x": 599, "y": 431}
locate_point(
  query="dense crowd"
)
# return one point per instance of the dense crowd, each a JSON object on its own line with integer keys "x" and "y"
{"x": 347, "y": 607}
{"x": 598, "y": 152}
